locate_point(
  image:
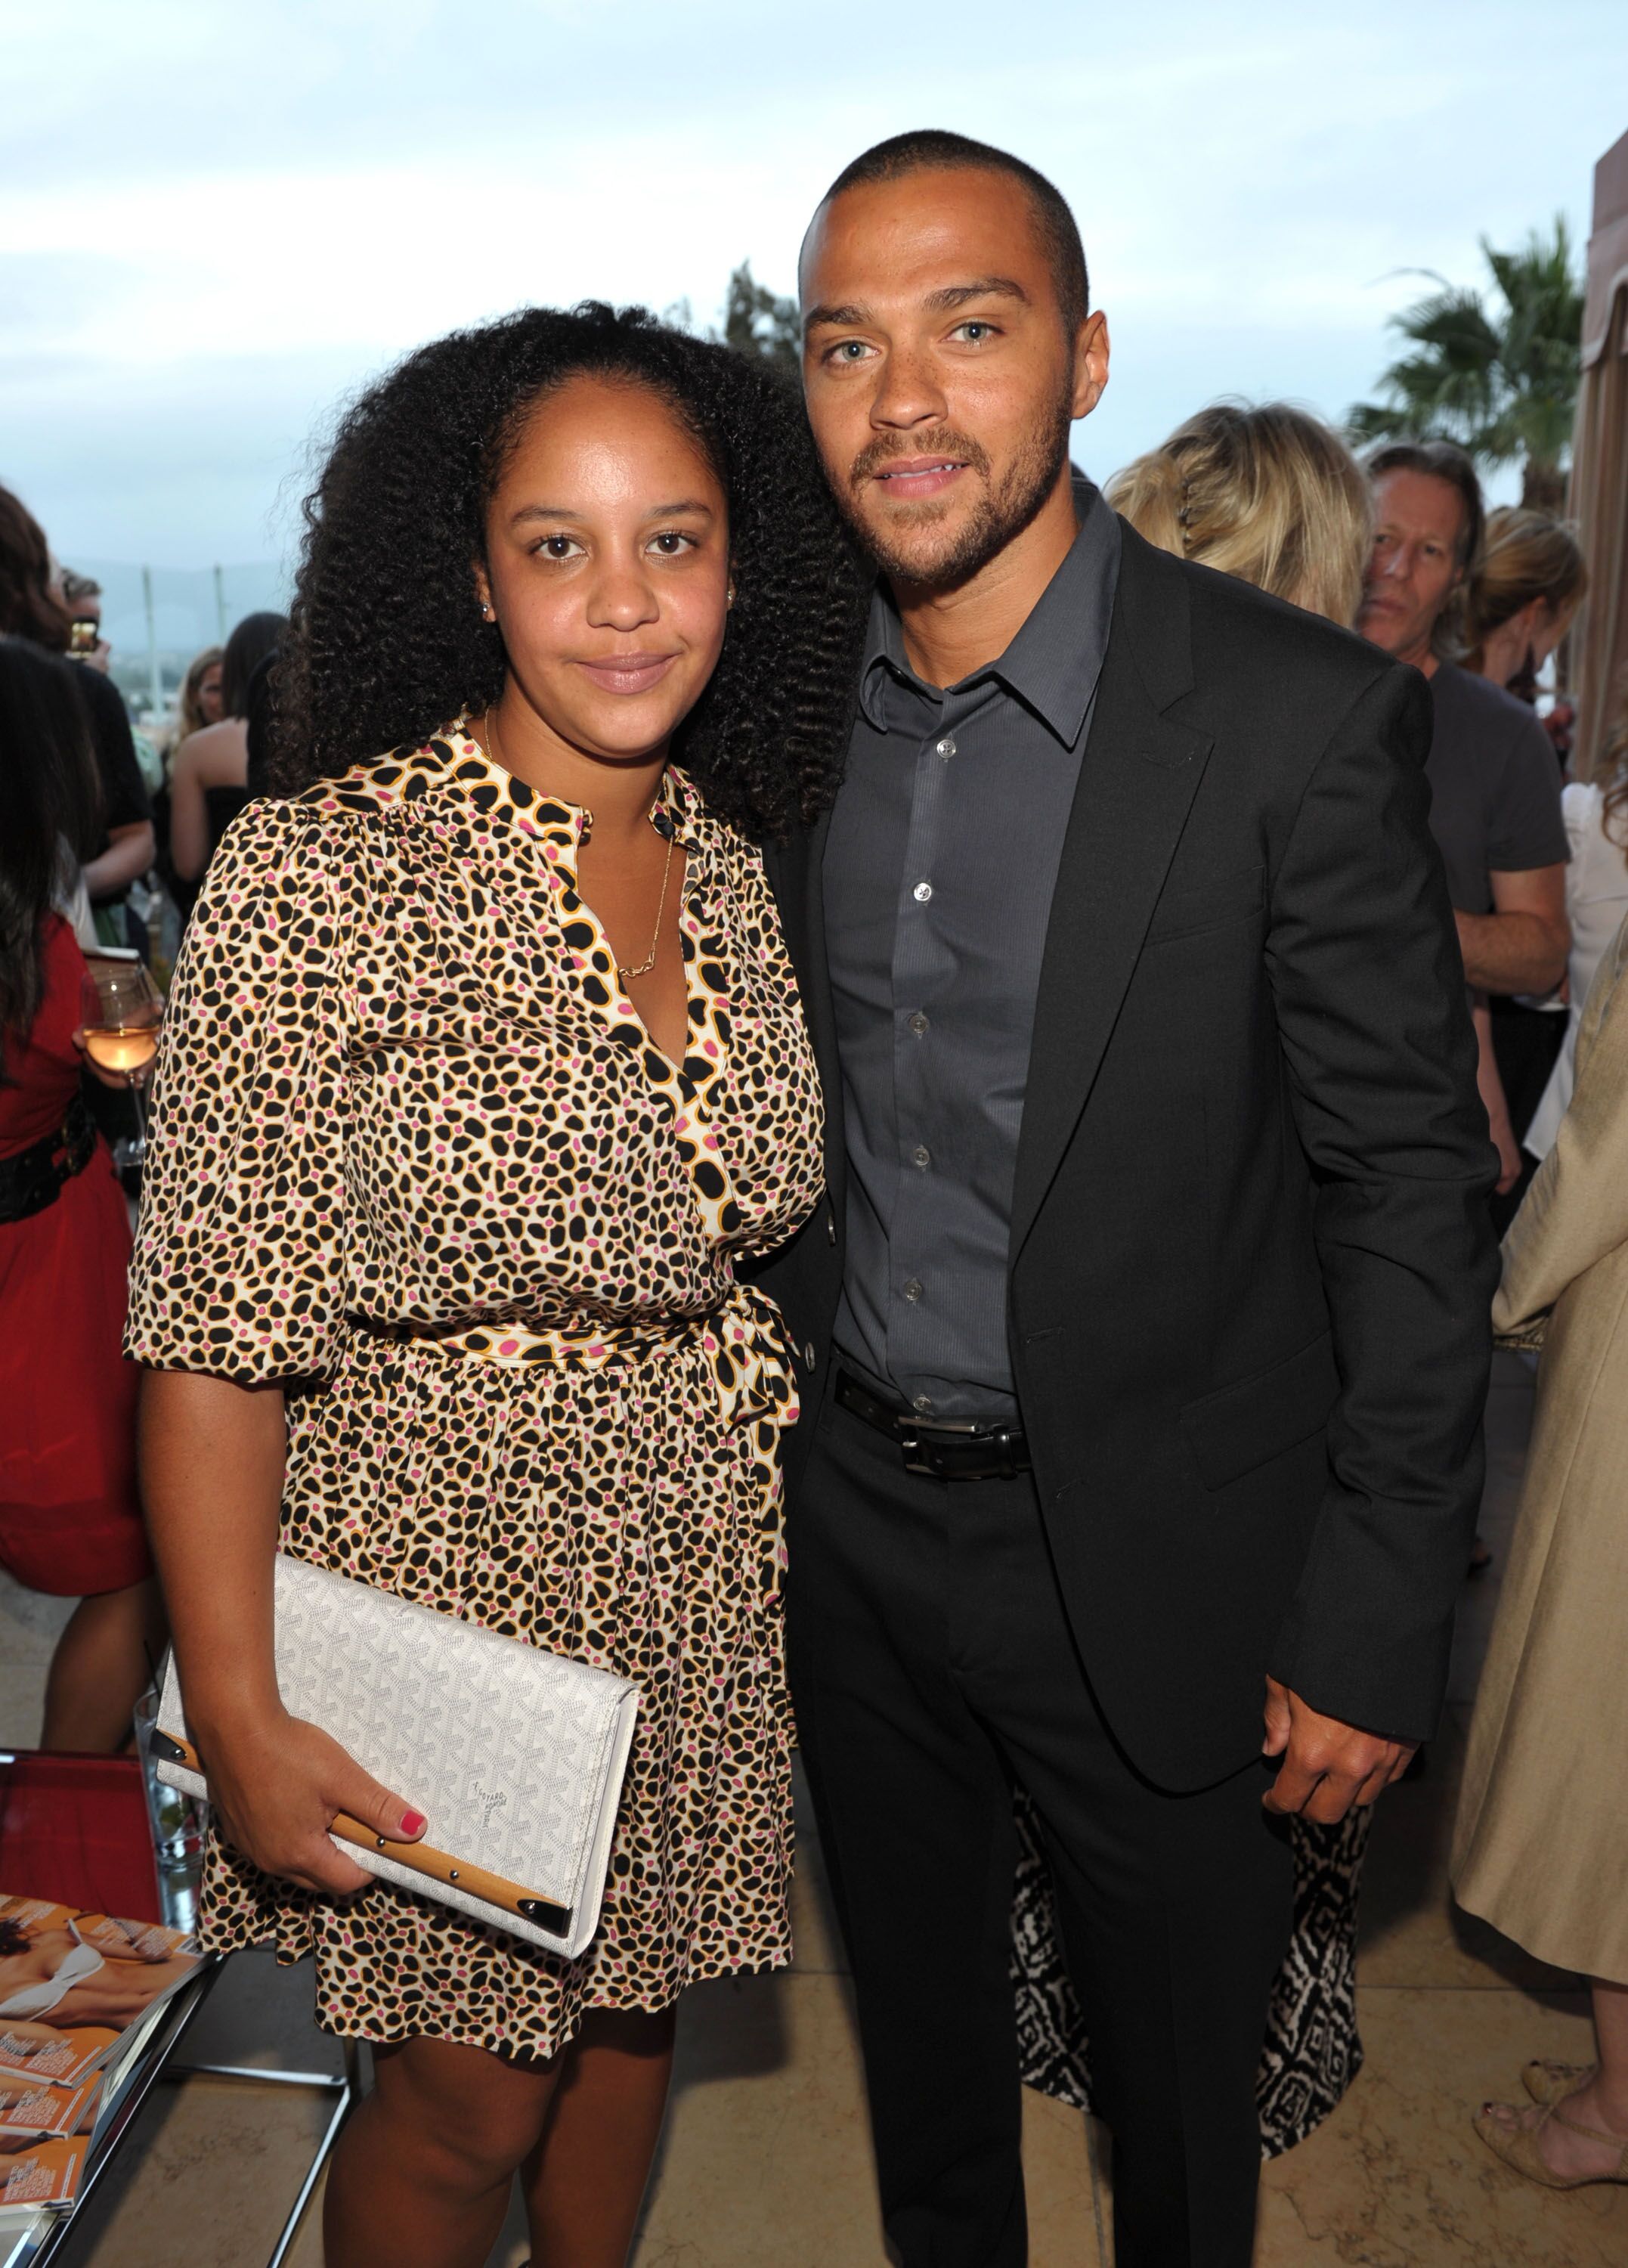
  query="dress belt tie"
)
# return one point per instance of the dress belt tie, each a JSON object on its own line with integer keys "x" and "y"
{"x": 746, "y": 1340}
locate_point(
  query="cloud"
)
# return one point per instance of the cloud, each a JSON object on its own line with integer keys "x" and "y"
{"x": 215, "y": 217}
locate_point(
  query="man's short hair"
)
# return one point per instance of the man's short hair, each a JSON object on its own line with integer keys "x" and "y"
{"x": 1440, "y": 461}
{"x": 930, "y": 147}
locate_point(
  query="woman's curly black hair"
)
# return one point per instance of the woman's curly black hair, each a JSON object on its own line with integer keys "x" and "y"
{"x": 387, "y": 644}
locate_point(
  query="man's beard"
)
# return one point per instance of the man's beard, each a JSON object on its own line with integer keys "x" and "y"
{"x": 1002, "y": 514}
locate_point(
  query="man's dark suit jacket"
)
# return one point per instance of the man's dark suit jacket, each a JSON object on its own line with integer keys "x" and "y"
{"x": 1251, "y": 1262}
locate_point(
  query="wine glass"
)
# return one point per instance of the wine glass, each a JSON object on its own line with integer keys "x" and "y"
{"x": 120, "y": 1007}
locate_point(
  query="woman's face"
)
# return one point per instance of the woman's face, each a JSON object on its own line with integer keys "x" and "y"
{"x": 608, "y": 567}
{"x": 209, "y": 694}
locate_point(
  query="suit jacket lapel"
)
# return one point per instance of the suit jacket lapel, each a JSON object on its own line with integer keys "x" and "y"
{"x": 794, "y": 875}
{"x": 1138, "y": 778}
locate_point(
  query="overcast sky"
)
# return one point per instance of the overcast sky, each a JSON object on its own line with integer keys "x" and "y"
{"x": 219, "y": 216}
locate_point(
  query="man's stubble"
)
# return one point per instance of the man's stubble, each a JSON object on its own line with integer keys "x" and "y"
{"x": 1002, "y": 514}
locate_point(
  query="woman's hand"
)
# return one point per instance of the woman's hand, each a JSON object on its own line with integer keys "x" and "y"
{"x": 1509, "y": 1160}
{"x": 1499, "y": 1124}
{"x": 276, "y": 1786}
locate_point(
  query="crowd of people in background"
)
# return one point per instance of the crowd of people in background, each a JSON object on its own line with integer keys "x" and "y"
{"x": 96, "y": 828}
{"x": 87, "y": 824}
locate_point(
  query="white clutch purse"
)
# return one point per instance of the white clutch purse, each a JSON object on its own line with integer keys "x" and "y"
{"x": 515, "y": 1756}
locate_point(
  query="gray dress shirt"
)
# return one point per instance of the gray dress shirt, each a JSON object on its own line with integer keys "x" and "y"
{"x": 937, "y": 879}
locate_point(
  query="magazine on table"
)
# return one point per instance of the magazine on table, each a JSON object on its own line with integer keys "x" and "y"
{"x": 72, "y": 1983}
{"x": 41, "y": 2176}
{"x": 44, "y": 2138}
{"x": 78, "y": 1991}
{"x": 31, "y": 2111}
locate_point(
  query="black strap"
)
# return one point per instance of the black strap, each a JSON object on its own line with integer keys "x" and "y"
{"x": 981, "y": 1452}
{"x": 34, "y": 1179}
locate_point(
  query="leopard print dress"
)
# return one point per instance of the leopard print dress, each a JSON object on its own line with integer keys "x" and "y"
{"x": 415, "y": 1157}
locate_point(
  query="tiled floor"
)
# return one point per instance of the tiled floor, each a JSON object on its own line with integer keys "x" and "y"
{"x": 766, "y": 2162}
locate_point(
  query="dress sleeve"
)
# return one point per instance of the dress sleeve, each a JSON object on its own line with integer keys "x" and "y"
{"x": 239, "y": 1264}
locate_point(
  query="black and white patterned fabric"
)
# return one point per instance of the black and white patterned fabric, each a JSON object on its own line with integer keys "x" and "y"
{"x": 1311, "y": 2052}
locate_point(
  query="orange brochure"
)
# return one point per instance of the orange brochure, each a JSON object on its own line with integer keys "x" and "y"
{"x": 28, "y": 2110}
{"x": 47, "y": 2174}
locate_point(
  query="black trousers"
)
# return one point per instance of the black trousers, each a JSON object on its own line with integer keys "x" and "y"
{"x": 931, "y": 1664}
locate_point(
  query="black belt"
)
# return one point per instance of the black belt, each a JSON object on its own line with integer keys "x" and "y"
{"x": 33, "y": 1178}
{"x": 969, "y": 1452}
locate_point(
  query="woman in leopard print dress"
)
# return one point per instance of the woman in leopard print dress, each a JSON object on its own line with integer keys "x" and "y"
{"x": 484, "y": 1074}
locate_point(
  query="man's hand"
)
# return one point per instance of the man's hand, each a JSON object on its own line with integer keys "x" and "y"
{"x": 1328, "y": 1766}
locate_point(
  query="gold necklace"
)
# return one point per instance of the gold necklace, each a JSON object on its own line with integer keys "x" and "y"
{"x": 489, "y": 723}
{"x": 648, "y": 962}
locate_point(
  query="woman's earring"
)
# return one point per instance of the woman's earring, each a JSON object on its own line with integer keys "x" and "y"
{"x": 729, "y": 600}
{"x": 486, "y": 612}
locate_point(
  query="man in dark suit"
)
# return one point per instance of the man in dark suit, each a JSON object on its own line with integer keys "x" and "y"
{"x": 1145, "y": 1334}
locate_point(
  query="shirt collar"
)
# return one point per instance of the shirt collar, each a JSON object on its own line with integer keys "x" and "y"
{"x": 674, "y": 814}
{"x": 1053, "y": 663}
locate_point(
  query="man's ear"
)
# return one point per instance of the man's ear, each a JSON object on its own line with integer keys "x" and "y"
{"x": 1091, "y": 353}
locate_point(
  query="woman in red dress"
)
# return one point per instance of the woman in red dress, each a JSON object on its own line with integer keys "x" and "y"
{"x": 69, "y": 1520}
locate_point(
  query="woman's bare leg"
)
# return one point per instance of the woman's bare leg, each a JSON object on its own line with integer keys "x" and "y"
{"x": 104, "y": 1662}
{"x": 1602, "y": 2105}
{"x": 584, "y": 2181}
{"x": 422, "y": 2173}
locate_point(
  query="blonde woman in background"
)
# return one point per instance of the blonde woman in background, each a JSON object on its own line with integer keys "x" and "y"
{"x": 1263, "y": 492}
{"x": 1268, "y": 493}
{"x": 1526, "y": 589}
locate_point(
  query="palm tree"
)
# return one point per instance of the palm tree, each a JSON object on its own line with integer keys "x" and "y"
{"x": 1500, "y": 380}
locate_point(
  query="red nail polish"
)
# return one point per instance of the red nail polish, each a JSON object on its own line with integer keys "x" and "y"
{"x": 413, "y": 1823}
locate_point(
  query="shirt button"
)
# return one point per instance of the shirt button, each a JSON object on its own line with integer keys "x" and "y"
{"x": 924, "y": 1404}
{"x": 912, "y": 1290}
{"x": 810, "y": 1356}
{"x": 922, "y": 892}
{"x": 918, "y": 1023}
{"x": 921, "y": 1157}
{"x": 946, "y": 747}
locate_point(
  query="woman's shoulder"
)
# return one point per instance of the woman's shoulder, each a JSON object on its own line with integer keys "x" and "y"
{"x": 216, "y": 753}
{"x": 378, "y": 785}
{"x": 334, "y": 804}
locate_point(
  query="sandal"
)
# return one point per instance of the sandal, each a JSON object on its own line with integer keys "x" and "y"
{"x": 1518, "y": 2147}
{"x": 1545, "y": 2080}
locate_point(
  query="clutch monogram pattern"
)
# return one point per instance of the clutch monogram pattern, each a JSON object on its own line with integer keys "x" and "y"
{"x": 515, "y": 1756}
